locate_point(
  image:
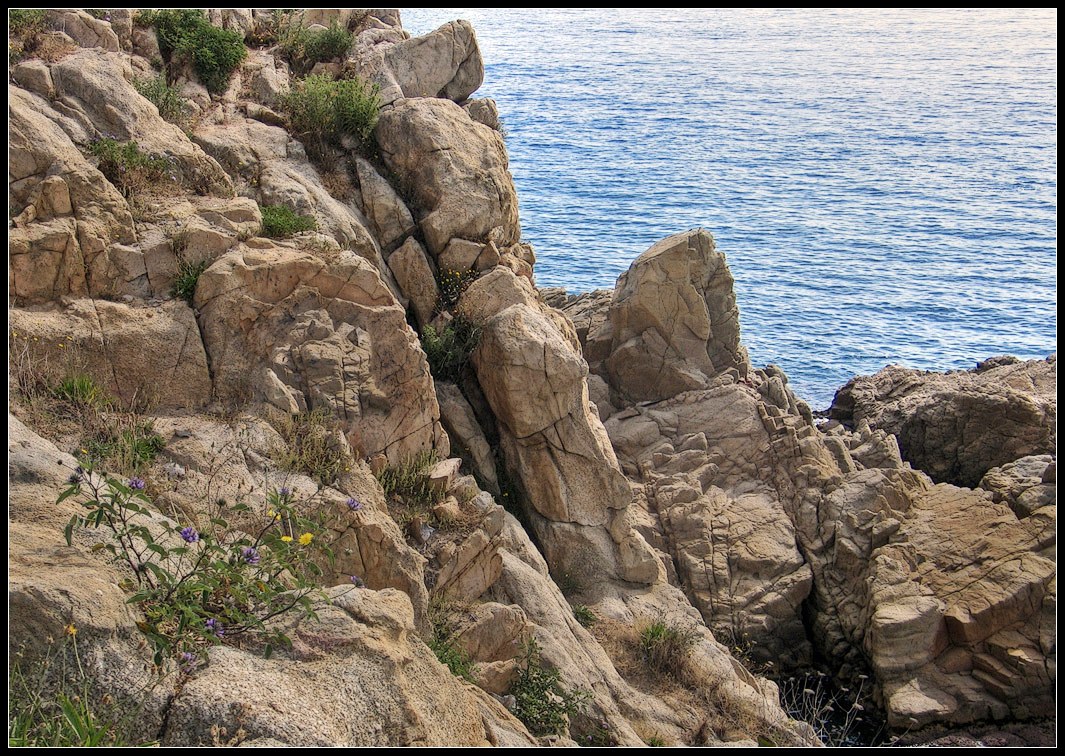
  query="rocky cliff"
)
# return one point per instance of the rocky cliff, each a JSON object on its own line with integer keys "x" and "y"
{"x": 593, "y": 502}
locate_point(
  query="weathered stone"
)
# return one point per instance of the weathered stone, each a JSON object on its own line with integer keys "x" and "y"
{"x": 459, "y": 255}
{"x": 333, "y": 334}
{"x": 456, "y": 170}
{"x": 467, "y": 437}
{"x": 1009, "y": 411}
{"x": 392, "y": 221}
{"x": 484, "y": 111}
{"x": 415, "y": 278}
{"x": 1020, "y": 484}
{"x": 85, "y": 30}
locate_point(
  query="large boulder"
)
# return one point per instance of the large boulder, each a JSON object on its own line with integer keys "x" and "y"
{"x": 454, "y": 168}
{"x": 139, "y": 353}
{"x": 957, "y": 426}
{"x": 357, "y": 676}
{"x": 443, "y": 63}
{"x": 300, "y": 331}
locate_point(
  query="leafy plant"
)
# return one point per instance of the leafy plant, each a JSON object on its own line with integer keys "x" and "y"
{"x": 312, "y": 446}
{"x": 51, "y": 703}
{"x": 541, "y": 701}
{"x": 125, "y": 166}
{"x": 25, "y": 27}
{"x": 326, "y": 44}
{"x": 665, "y": 647}
{"x": 165, "y": 97}
{"x": 322, "y": 110}
{"x": 219, "y": 583}
{"x": 448, "y": 350}
{"x": 443, "y": 645}
{"x": 188, "y": 276}
{"x": 407, "y": 484}
{"x": 215, "y": 53}
{"x": 280, "y": 221}
{"x": 584, "y": 615}
{"x": 127, "y": 450}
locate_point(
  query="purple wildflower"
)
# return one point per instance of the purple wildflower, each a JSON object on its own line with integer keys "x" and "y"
{"x": 354, "y": 504}
{"x": 137, "y": 484}
{"x": 284, "y": 491}
{"x": 188, "y": 661}
{"x": 215, "y": 627}
{"x": 189, "y": 535}
{"x": 357, "y": 581}
{"x": 249, "y": 555}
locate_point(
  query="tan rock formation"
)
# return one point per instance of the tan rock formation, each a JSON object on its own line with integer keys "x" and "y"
{"x": 300, "y": 331}
{"x": 957, "y": 426}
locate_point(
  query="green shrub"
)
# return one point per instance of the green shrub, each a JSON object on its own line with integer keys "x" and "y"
{"x": 313, "y": 446}
{"x": 219, "y": 584}
{"x": 443, "y": 645}
{"x": 409, "y": 481}
{"x": 23, "y": 20}
{"x": 541, "y": 701}
{"x": 82, "y": 392}
{"x": 448, "y": 351}
{"x": 584, "y": 615}
{"x": 280, "y": 221}
{"x": 25, "y": 33}
{"x": 665, "y": 648}
{"x": 165, "y": 97}
{"x": 129, "y": 169}
{"x": 215, "y": 53}
{"x": 188, "y": 276}
{"x": 321, "y": 110}
{"x": 326, "y": 44}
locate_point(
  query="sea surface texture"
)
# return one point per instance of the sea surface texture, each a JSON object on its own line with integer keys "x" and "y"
{"x": 883, "y": 182}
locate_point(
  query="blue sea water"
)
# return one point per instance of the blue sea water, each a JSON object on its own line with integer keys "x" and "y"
{"x": 883, "y": 182}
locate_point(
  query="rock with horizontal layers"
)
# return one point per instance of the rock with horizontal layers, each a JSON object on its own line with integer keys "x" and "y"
{"x": 146, "y": 354}
{"x": 444, "y": 63}
{"x": 956, "y": 426}
{"x": 303, "y": 331}
{"x": 455, "y": 169}
{"x": 67, "y": 214}
{"x": 358, "y": 676}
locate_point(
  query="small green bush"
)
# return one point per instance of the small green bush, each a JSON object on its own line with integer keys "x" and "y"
{"x": 82, "y": 392}
{"x": 584, "y": 615}
{"x": 321, "y": 110}
{"x": 313, "y": 447}
{"x": 280, "y": 221}
{"x": 452, "y": 284}
{"x": 327, "y": 44}
{"x": 442, "y": 643}
{"x": 409, "y": 481}
{"x": 129, "y": 169}
{"x": 165, "y": 97}
{"x": 215, "y": 53}
{"x": 541, "y": 701}
{"x": 124, "y": 450}
{"x": 665, "y": 648}
{"x": 188, "y": 276}
{"x": 25, "y": 38}
{"x": 22, "y": 20}
{"x": 448, "y": 351}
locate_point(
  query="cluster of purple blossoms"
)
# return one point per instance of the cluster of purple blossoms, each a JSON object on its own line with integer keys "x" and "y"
{"x": 357, "y": 581}
{"x": 137, "y": 484}
{"x": 250, "y": 555}
{"x": 189, "y": 535}
{"x": 215, "y": 627}
{"x": 284, "y": 491}
{"x": 354, "y": 504}
{"x": 188, "y": 661}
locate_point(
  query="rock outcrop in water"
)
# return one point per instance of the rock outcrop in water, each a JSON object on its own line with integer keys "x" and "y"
{"x": 661, "y": 483}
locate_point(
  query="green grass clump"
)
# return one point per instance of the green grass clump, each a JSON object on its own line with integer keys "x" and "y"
{"x": 321, "y": 110}
{"x": 215, "y": 53}
{"x": 23, "y": 20}
{"x": 188, "y": 276}
{"x": 442, "y": 643}
{"x": 164, "y": 96}
{"x": 409, "y": 481}
{"x": 280, "y": 221}
{"x": 665, "y": 647}
{"x": 448, "y": 350}
{"x": 127, "y": 450}
{"x": 129, "y": 169}
{"x": 313, "y": 446}
{"x": 541, "y": 701}
{"x": 82, "y": 392}
{"x": 327, "y": 44}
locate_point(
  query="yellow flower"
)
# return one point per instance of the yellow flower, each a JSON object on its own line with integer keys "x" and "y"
{"x": 286, "y": 539}
{"x": 71, "y": 630}
{"x": 306, "y": 538}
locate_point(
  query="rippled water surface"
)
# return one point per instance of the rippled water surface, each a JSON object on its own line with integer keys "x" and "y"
{"x": 882, "y": 182}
